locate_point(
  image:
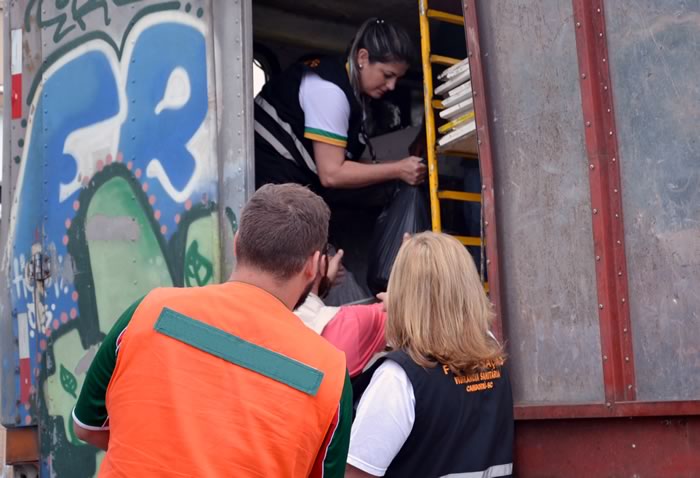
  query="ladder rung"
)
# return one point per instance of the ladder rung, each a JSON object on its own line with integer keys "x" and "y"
{"x": 459, "y": 196}
{"x": 445, "y": 17}
{"x": 444, "y": 60}
{"x": 469, "y": 241}
{"x": 437, "y": 105}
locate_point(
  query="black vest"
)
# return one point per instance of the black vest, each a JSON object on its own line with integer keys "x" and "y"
{"x": 463, "y": 424}
{"x": 282, "y": 152}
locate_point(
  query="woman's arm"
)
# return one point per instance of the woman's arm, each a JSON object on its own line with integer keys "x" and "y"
{"x": 352, "y": 472}
{"x": 337, "y": 173}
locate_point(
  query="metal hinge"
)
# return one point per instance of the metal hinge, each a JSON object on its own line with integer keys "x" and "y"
{"x": 39, "y": 267}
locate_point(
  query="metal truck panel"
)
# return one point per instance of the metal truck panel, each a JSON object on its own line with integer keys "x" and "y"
{"x": 655, "y": 63}
{"x": 129, "y": 162}
{"x": 545, "y": 235}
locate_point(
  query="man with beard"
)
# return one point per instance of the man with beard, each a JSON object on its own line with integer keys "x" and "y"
{"x": 224, "y": 380}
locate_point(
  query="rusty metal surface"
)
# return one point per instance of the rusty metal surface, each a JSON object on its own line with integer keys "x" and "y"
{"x": 655, "y": 63}
{"x": 613, "y": 409}
{"x": 486, "y": 165}
{"x": 22, "y": 446}
{"x": 546, "y": 248}
{"x": 608, "y": 448}
{"x": 598, "y": 122}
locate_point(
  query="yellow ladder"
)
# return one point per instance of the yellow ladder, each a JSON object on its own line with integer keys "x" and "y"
{"x": 428, "y": 60}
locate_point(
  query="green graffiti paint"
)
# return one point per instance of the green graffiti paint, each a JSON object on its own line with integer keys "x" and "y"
{"x": 123, "y": 268}
{"x": 199, "y": 270}
{"x": 68, "y": 381}
{"x": 231, "y": 216}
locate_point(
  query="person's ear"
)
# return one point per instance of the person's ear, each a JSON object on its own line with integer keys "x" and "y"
{"x": 311, "y": 267}
{"x": 235, "y": 245}
{"x": 362, "y": 57}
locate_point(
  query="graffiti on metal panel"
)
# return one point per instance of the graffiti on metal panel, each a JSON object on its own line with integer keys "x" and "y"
{"x": 125, "y": 199}
{"x": 69, "y": 15}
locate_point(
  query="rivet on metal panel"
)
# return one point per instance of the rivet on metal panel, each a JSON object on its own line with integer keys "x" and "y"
{"x": 578, "y": 24}
{"x": 604, "y": 60}
{"x": 597, "y": 258}
{"x": 600, "y": 306}
{"x": 483, "y": 187}
{"x": 634, "y": 446}
{"x": 609, "y": 110}
{"x": 615, "y": 190}
{"x": 583, "y": 75}
{"x": 605, "y": 87}
{"x": 600, "y": 34}
{"x": 619, "y": 273}
{"x": 474, "y": 94}
{"x": 605, "y": 357}
{"x": 478, "y": 141}
{"x": 592, "y": 166}
{"x": 588, "y": 124}
{"x": 598, "y": 10}
{"x": 617, "y": 216}
{"x": 595, "y": 211}
{"x": 486, "y": 223}
{"x": 624, "y": 330}
{"x": 611, "y": 133}
{"x": 624, "y": 300}
{"x": 619, "y": 243}
{"x": 627, "y": 359}
{"x": 613, "y": 160}
{"x": 629, "y": 387}
{"x": 608, "y": 404}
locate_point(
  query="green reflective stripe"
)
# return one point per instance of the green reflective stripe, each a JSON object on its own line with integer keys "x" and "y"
{"x": 239, "y": 352}
{"x": 327, "y": 134}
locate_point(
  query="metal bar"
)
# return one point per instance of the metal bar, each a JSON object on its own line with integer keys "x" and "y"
{"x": 429, "y": 116}
{"x": 443, "y": 60}
{"x": 22, "y": 445}
{"x": 445, "y": 17}
{"x": 601, "y": 410}
{"x": 606, "y": 203}
{"x": 459, "y": 196}
{"x": 469, "y": 241}
{"x": 485, "y": 157}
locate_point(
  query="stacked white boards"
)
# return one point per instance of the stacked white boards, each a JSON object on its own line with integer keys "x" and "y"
{"x": 459, "y": 133}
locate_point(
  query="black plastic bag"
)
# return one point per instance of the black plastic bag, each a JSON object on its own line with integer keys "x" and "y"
{"x": 408, "y": 212}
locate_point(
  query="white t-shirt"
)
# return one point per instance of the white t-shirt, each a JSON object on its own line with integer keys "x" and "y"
{"x": 384, "y": 420}
{"x": 326, "y": 110}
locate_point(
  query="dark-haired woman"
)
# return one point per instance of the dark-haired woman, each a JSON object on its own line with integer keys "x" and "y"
{"x": 309, "y": 121}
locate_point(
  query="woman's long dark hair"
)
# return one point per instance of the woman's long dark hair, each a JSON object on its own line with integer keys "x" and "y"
{"x": 385, "y": 42}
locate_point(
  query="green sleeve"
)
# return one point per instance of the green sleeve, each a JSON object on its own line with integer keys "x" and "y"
{"x": 334, "y": 463}
{"x": 90, "y": 411}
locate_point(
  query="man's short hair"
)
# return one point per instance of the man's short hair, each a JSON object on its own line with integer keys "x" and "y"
{"x": 280, "y": 227}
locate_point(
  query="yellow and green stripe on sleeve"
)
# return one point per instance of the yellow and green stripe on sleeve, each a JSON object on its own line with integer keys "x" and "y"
{"x": 327, "y": 137}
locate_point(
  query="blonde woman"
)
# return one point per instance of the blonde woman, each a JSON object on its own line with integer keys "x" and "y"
{"x": 440, "y": 404}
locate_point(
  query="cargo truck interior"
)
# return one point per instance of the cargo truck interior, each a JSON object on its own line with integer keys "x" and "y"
{"x": 286, "y": 31}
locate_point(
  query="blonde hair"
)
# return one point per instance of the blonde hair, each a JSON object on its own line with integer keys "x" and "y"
{"x": 438, "y": 310}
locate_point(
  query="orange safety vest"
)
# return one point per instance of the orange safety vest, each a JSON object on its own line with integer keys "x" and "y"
{"x": 177, "y": 410}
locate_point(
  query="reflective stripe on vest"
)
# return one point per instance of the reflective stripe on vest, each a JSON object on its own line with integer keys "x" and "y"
{"x": 239, "y": 352}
